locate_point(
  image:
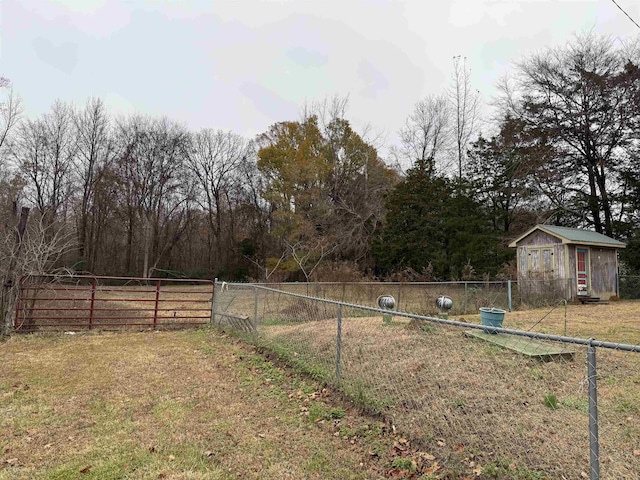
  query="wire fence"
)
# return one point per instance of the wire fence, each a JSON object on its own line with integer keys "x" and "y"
{"x": 414, "y": 297}
{"x": 467, "y": 296}
{"x": 629, "y": 286}
{"x": 525, "y": 403}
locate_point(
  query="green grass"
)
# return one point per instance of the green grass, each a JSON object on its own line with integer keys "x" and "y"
{"x": 550, "y": 400}
{"x": 506, "y": 470}
{"x": 576, "y": 402}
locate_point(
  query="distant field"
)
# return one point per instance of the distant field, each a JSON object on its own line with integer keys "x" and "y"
{"x": 615, "y": 322}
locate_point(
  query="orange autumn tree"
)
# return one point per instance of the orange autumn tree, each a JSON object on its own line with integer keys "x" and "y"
{"x": 324, "y": 188}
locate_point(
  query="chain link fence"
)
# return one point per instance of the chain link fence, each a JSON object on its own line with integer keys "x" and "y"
{"x": 536, "y": 293}
{"x": 530, "y": 404}
{"x": 414, "y": 297}
{"x": 629, "y": 287}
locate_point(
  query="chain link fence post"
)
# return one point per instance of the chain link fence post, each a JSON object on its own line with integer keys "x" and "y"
{"x": 594, "y": 453}
{"x": 339, "y": 344}
{"x": 213, "y": 302}
{"x": 466, "y": 293}
{"x": 255, "y": 308}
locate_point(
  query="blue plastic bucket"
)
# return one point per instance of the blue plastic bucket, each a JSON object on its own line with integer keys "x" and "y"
{"x": 492, "y": 317}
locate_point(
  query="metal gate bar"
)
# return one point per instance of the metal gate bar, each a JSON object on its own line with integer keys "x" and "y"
{"x": 83, "y": 301}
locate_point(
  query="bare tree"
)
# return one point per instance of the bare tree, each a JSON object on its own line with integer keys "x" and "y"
{"x": 268, "y": 266}
{"x": 95, "y": 152}
{"x": 34, "y": 246}
{"x": 426, "y": 134}
{"x": 215, "y": 159}
{"x": 309, "y": 254}
{"x": 10, "y": 112}
{"x": 465, "y": 105}
{"x": 150, "y": 170}
{"x": 583, "y": 99}
{"x": 45, "y": 151}
{"x": 9, "y": 253}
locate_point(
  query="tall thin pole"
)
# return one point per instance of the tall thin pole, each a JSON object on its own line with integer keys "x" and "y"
{"x": 155, "y": 308}
{"x": 339, "y": 344}
{"x": 213, "y": 302}
{"x": 594, "y": 446}
{"x": 255, "y": 309}
{"x": 93, "y": 301}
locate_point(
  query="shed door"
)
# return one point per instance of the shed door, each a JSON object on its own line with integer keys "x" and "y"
{"x": 582, "y": 271}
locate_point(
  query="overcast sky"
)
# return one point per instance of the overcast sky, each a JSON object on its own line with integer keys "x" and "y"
{"x": 242, "y": 65}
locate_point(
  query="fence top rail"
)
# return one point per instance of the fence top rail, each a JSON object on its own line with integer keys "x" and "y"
{"x": 448, "y": 282}
{"x": 105, "y": 277}
{"x": 542, "y": 336}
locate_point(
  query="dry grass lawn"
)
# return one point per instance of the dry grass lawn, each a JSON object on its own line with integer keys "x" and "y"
{"x": 202, "y": 405}
{"x": 616, "y": 322}
{"x": 172, "y": 405}
{"x": 463, "y": 398}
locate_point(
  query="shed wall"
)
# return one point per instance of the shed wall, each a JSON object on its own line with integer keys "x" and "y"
{"x": 539, "y": 238}
{"x": 604, "y": 268}
{"x": 542, "y": 269}
{"x": 547, "y": 267}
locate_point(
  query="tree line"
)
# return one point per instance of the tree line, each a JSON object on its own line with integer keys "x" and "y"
{"x": 313, "y": 199}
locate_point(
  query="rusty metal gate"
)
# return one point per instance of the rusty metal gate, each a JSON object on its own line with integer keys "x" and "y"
{"x": 81, "y": 301}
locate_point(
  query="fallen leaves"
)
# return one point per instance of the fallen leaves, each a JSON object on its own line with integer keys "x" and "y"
{"x": 426, "y": 456}
{"x": 435, "y": 467}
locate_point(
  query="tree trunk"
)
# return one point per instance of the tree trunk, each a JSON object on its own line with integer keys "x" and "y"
{"x": 130, "y": 225}
{"x": 593, "y": 199}
{"x": 9, "y": 291}
{"x": 146, "y": 245}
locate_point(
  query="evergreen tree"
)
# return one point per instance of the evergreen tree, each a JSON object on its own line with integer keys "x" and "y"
{"x": 435, "y": 221}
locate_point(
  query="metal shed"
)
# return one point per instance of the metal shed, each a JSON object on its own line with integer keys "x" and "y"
{"x": 566, "y": 263}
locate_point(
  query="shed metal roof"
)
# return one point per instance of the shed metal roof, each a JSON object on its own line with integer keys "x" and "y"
{"x": 574, "y": 236}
